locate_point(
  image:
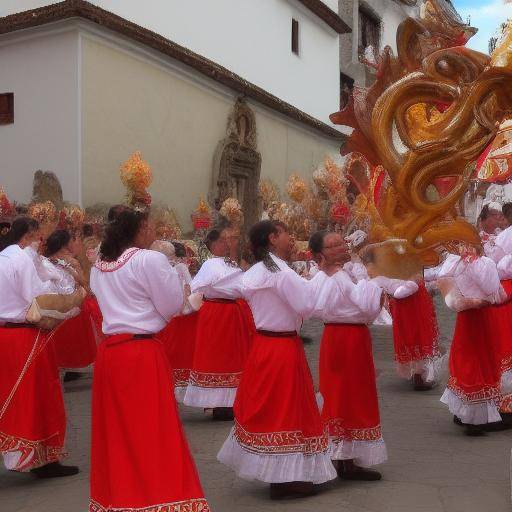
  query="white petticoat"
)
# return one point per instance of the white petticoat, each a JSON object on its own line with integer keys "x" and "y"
{"x": 364, "y": 453}
{"x": 276, "y": 468}
{"x": 472, "y": 413}
{"x": 431, "y": 369}
{"x": 208, "y": 398}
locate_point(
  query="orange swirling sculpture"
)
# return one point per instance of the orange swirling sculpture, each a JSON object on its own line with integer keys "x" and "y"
{"x": 432, "y": 111}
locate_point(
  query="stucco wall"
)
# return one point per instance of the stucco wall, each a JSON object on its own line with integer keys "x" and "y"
{"x": 251, "y": 38}
{"x": 43, "y": 74}
{"x": 132, "y": 104}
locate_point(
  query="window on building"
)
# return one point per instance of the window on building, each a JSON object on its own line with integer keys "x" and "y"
{"x": 346, "y": 87}
{"x": 369, "y": 31}
{"x": 7, "y": 108}
{"x": 295, "y": 37}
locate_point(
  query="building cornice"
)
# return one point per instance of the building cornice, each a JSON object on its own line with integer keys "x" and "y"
{"x": 326, "y": 14}
{"x": 82, "y": 9}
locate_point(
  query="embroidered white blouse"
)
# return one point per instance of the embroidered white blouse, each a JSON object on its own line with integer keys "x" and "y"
{"x": 281, "y": 300}
{"x": 138, "y": 293}
{"x": 217, "y": 279}
{"x": 19, "y": 284}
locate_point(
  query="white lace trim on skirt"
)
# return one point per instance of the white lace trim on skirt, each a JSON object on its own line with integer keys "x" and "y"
{"x": 276, "y": 468}
{"x": 208, "y": 398}
{"x": 364, "y": 453}
{"x": 472, "y": 413}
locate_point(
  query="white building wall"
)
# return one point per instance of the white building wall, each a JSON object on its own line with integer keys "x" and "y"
{"x": 42, "y": 72}
{"x": 251, "y": 38}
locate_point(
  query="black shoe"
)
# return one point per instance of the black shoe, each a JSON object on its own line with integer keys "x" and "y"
{"x": 55, "y": 470}
{"x": 497, "y": 426}
{"x": 71, "y": 376}
{"x": 419, "y": 384}
{"x": 458, "y": 422}
{"x": 347, "y": 470}
{"x": 474, "y": 430}
{"x": 223, "y": 414}
{"x": 292, "y": 490}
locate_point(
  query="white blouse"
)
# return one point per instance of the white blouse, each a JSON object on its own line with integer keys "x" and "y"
{"x": 59, "y": 280}
{"x": 349, "y": 302}
{"x": 476, "y": 279}
{"x": 218, "y": 279}
{"x": 138, "y": 293}
{"x": 281, "y": 300}
{"x": 19, "y": 284}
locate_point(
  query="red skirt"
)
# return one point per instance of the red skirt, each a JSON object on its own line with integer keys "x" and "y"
{"x": 179, "y": 339}
{"x": 415, "y": 334}
{"x": 222, "y": 346}
{"x": 278, "y": 434}
{"x": 140, "y": 459}
{"x": 350, "y": 404}
{"x": 247, "y": 313}
{"x": 75, "y": 340}
{"x": 473, "y": 389}
{"x": 502, "y": 327}
{"x": 32, "y": 415}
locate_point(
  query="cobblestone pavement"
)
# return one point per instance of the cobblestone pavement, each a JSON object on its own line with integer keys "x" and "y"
{"x": 432, "y": 467}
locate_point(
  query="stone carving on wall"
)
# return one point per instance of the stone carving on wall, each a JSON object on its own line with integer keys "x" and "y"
{"x": 46, "y": 187}
{"x": 237, "y": 163}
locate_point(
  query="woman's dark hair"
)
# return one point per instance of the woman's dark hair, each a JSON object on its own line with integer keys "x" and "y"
{"x": 114, "y": 212}
{"x": 259, "y": 240}
{"x": 507, "y": 211}
{"x": 120, "y": 233}
{"x": 56, "y": 241}
{"x": 87, "y": 230}
{"x": 212, "y": 236}
{"x": 180, "y": 250}
{"x": 316, "y": 242}
{"x": 484, "y": 213}
{"x": 19, "y": 228}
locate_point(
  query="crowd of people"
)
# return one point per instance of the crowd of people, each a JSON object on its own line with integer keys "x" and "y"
{"x": 226, "y": 339}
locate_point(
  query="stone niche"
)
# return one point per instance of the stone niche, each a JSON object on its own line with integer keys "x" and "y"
{"x": 237, "y": 164}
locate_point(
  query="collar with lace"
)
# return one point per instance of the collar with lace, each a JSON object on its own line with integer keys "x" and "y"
{"x": 111, "y": 266}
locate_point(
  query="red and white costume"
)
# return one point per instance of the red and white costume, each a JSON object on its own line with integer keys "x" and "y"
{"x": 350, "y": 408}
{"x": 140, "y": 460}
{"x": 279, "y": 435}
{"x": 416, "y": 335}
{"x": 76, "y": 339}
{"x": 32, "y": 415}
{"x": 500, "y": 251}
{"x": 473, "y": 390}
{"x": 222, "y": 337}
{"x": 179, "y": 339}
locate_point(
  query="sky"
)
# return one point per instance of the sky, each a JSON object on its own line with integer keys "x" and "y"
{"x": 486, "y": 15}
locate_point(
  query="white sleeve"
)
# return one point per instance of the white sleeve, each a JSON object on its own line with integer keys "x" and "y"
{"x": 505, "y": 267}
{"x": 301, "y": 295}
{"x": 162, "y": 283}
{"x": 28, "y": 282}
{"x": 204, "y": 277}
{"x": 184, "y": 273}
{"x": 396, "y": 287}
{"x": 364, "y": 296}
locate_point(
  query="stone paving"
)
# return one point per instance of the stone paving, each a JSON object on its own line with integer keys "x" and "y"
{"x": 432, "y": 467}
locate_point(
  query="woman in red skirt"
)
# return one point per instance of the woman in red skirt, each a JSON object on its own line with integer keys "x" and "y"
{"x": 75, "y": 341}
{"x": 350, "y": 407}
{"x": 279, "y": 436}
{"x": 416, "y": 336}
{"x": 32, "y": 416}
{"x": 499, "y": 250}
{"x": 222, "y": 338}
{"x": 140, "y": 460}
{"x": 471, "y": 285}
